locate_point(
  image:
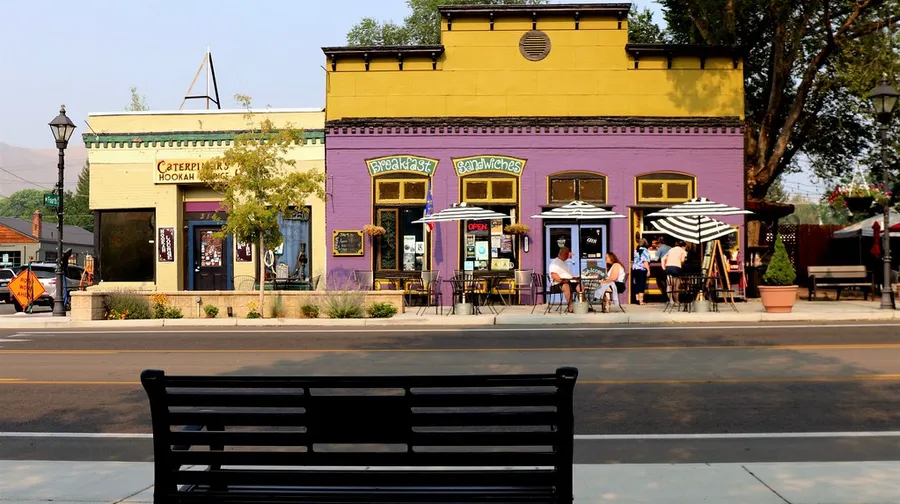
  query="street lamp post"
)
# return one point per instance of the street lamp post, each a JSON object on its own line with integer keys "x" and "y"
{"x": 884, "y": 99}
{"x": 62, "y": 128}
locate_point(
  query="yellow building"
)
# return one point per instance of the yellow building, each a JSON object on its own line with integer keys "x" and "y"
{"x": 156, "y": 222}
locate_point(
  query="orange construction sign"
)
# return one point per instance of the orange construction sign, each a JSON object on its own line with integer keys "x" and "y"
{"x": 26, "y": 288}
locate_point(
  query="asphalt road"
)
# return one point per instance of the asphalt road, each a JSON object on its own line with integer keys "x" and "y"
{"x": 634, "y": 381}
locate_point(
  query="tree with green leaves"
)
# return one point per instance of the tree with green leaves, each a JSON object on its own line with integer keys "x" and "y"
{"x": 78, "y": 204}
{"x": 642, "y": 29}
{"x": 138, "y": 102}
{"x": 258, "y": 183}
{"x": 421, "y": 27}
{"x": 808, "y": 66}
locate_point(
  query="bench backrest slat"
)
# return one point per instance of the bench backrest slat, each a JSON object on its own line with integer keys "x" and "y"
{"x": 490, "y": 422}
{"x": 822, "y": 272}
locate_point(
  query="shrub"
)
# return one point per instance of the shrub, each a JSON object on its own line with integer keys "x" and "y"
{"x": 344, "y": 300}
{"x": 161, "y": 308}
{"x": 253, "y": 310}
{"x": 278, "y": 308}
{"x": 211, "y": 311}
{"x": 780, "y": 271}
{"x": 382, "y": 310}
{"x": 310, "y": 311}
{"x": 126, "y": 305}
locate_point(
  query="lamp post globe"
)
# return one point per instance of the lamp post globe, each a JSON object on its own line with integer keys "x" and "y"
{"x": 884, "y": 101}
{"x": 62, "y": 128}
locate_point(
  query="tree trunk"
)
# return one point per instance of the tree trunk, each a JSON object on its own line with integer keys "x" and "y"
{"x": 262, "y": 271}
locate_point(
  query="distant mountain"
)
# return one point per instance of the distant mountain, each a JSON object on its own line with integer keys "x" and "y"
{"x": 37, "y": 166}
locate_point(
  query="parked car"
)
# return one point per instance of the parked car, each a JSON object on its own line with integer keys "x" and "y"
{"x": 46, "y": 273}
{"x": 6, "y": 275}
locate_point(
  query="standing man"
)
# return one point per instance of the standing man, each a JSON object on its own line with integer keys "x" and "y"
{"x": 662, "y": 248}
{"x": 560, "y": 275}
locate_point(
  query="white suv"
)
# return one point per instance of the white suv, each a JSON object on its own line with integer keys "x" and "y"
{"x": 6, "y": 275}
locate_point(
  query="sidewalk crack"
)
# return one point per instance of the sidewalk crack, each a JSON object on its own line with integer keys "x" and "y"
{"x": 123, "y": 499}
{"x": 765, "y": 484}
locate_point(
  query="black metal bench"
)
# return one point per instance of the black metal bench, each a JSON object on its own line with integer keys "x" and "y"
{"x": 409, "y": 439}
{"x": 840, "y": 278}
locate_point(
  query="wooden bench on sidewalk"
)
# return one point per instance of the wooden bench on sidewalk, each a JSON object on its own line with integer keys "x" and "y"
{"x": 840, "y": 278}
{"x": 373, "y": 439}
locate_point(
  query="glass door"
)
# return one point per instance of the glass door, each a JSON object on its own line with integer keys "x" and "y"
{"x": 557, "y": 236}
{"x": 592, "y": 248}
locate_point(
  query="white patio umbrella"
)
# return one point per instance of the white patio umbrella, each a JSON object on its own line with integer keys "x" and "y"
{"x": 691, "y": 230}
{"x": 578, "y": 210}
{"x": 461, "y": 212}
{"x": 698, "y": 208}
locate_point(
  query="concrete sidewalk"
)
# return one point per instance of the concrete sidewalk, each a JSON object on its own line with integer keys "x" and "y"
{"x": 35, "y": 482}
{"x": 748, "y": 313}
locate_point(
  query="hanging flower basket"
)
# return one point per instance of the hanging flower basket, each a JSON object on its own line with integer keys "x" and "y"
{"x": 517, "y": 229}
{"x": 858, "y": 198}
{"x": 859, "y": 204}
{"x": 373, "y": 230}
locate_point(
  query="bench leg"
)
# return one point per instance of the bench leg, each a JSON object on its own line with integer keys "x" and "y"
{"x": 838, "y": 298}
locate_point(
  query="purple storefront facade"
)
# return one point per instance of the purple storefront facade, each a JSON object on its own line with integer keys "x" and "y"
{"x": 629, "y": 166}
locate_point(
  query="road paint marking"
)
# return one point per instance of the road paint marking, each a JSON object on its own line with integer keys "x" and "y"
{"x": 700, "y": 381}
{"x": 684, "y": 381}
{"x": 762, "y": 326}
{"x": 578, "y": 437}
{"x": 857, "y": 346}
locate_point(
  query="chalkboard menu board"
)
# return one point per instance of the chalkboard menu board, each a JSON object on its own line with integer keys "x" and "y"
{"x": 347, "y": 243}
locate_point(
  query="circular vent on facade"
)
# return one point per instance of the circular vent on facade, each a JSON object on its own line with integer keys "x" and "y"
{"x": 534, "y": 45}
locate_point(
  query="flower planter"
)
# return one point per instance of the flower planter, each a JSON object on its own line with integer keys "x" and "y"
{"x": 778, "y": 299}
{"x": 857, "y": 204}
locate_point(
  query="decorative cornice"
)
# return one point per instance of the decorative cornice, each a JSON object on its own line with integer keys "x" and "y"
{"x": 669, "y": 51}
{"x": 533, "y": 125}
{"x": 179, "y": 139}
{"x": 528, "y": 9}
{"x": 368, "y": 53}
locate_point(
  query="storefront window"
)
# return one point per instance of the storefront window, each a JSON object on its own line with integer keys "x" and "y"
{"x": 585, "y": 186}
{"x": 295, "y": 252}
{"x": 485, "y": 245}
{"x": 399, "y": 202}
{"x": 665, "y": 188}
{"x": 10, "y": 259}
{"x": 127, "y": 246}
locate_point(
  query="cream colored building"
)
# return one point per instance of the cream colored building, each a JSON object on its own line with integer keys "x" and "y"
{"x": 155, "y": 222}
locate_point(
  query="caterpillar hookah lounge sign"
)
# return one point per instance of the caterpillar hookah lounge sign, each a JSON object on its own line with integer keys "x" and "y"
{"x": 181, "y": 171}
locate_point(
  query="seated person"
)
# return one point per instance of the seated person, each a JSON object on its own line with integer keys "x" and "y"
{"x": 559, "y": 275}
{"x": 615, "y": 279}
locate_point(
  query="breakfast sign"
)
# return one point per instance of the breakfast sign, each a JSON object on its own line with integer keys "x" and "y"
{"x": 401, "y": 163}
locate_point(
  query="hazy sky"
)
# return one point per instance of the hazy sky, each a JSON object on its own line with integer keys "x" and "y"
{"x": 88, "y": 54}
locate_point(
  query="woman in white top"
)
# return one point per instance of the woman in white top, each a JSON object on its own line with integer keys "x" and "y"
{"x": 615, "y": 279}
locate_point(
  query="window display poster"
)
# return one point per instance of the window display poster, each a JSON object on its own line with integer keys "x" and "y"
{"x": 481, "y": 250}
{"x": 470, "y": 240}
{"x": 420, "y": 247}
{"x": 497, "y": 227}
{"x": 469, "y": 265}
{"x": 496, "y": 240}
{"x": 470, "y": 251}
{"x": 506, "y": 244}
{"x": 409, "y": 252}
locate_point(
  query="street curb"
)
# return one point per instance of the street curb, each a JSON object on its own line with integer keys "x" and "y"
{"x": 486, "y": 320}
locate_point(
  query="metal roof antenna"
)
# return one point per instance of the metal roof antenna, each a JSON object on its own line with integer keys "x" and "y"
{"x": 207, "y": 64}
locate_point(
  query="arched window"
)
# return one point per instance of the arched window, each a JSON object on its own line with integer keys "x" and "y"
{"x": 665, "y": 187}
{"x": 584, "y": 186}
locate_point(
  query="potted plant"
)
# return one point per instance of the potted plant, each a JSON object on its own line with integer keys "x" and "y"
{"x": 373, "y": 230}
{"x": 778, "y": 291}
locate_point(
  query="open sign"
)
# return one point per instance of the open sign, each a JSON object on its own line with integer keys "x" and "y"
{"x": 478, "y": 227}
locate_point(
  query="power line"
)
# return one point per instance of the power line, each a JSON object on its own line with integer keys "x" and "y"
{"x": 24, "y": 179}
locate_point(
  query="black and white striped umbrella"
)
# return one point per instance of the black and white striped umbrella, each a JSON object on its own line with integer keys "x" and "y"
{"x": 461, "y": 212}
{"x": 694, "y": 230}
{"x": 697, "y": 207}
{"x": 578, "y": 210}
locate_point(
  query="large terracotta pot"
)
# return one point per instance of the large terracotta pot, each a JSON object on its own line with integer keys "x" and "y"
{"x": 778, "y": 299}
